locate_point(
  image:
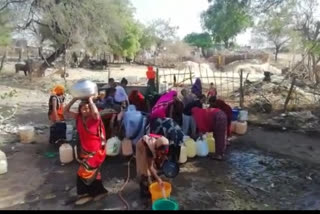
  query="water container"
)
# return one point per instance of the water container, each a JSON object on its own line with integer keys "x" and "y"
{"x": 113, "y": 147}
{"x": 183, "y": 154}
{"x": 131, "y": 121}
{"x": 241, "y": 128}
{"x": 69, "y": 133}
{"x": 235, "y": 114}
{"x": 191, "y": 147}
{"x": 157, "y": 193}
{"x": 211, "y": 143}
{"x": 26, "y": 134}
{"x": 165, "y": 204}
{"x": 243, "y": 115}
{"x": 127, "y": 147}
{"x": 202, "y": 147}
{"x": 233, "y": 126}
{"x": 66, "y": 153}
{"x": 3, "y": 163}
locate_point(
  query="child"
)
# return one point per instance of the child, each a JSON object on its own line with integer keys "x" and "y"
{"x": 212, "y": 91}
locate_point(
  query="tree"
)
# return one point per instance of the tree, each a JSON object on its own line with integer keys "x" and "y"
{"x": 162, "y": 31}
{"x": 225, "y": 19}
{"x": 95, "y": 24}
{"x": 200, "y": 40}
{"x": 308, "y": 25}
{"x": 5, "y": 34}
{"x": 275, "y": 28}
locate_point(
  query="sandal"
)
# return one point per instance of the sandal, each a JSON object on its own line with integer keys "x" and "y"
{"x": 100, "y": 196}
{"x": 217, "y": 157}
{"x": 83, "y": 200}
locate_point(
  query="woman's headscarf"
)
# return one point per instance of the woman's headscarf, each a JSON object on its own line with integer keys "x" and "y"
{"x": 168, "y": 97}
{"x": 197, "y": 87}
{"x": 58, "y": 90}
{"x": 155, "y": 142}
{"x": 159, "y": 110}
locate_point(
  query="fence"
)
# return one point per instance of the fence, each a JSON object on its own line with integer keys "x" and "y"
{"x": 226, "y": 83}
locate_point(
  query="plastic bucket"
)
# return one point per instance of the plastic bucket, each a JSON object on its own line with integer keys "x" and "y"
{"x": 165, "y": 204}
{"x": 26, "y": 134}
{"x": 235, "y": 114}
{"x": 156, "y": 191}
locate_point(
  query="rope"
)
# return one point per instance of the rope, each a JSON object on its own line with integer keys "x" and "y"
{"x": 125, "y": 184}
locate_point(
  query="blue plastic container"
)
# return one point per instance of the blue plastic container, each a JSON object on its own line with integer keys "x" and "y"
{"x": 235, "y": 114}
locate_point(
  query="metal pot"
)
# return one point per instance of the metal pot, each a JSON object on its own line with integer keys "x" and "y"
{"x": 84, "y": 88}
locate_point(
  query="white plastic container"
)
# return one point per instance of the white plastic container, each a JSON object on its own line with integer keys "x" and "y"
{"x": 66, "y": 153}
{"x": 243, "y": 115}
{"x": 69, "y": 133}
{"x": 241, "y": 128}
{"x": 3, "y": 163}
{"x": 202, "y": 148}
{"x": 113, "y": 147}
{"x": 183, "y": 154}
{"x": 26, "y": 134}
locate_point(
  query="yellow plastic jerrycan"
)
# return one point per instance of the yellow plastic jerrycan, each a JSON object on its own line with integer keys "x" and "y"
{"x": 191, "y": 147}
{"x": 211, "y": 143}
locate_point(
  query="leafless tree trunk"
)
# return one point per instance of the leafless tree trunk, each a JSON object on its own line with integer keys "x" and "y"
{"x": 3, "y": 60}
{"x": 51, "y": 59}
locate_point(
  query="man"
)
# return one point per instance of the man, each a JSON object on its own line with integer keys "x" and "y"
{"x": 187, "y": 98}
{"x": 121, "y": 96}
{"x": 188, "y": 121}
{"x": 220, "y": 104}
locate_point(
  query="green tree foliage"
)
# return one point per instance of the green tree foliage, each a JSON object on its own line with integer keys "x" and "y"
{"x": 225, "y": 19}
{"x": 5, "y": 29}
{"x": 200, "y": 40}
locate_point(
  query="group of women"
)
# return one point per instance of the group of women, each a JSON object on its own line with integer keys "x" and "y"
{"x": 156, "y": 125}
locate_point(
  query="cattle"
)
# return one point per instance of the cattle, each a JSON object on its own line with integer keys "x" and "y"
{"x": 102, "y": 64}
{"x": 26, "y": 67}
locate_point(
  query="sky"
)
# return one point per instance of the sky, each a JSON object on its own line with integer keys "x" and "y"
{"x": 182, "y": 13}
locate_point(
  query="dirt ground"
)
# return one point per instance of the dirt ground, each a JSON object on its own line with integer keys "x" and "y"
{"x": 265, "y": 169}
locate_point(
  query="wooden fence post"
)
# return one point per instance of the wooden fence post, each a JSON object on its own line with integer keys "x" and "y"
{"x": 241, "y": 89}
{"x": 289, "y": 95}
{"x": 158, "y": 81}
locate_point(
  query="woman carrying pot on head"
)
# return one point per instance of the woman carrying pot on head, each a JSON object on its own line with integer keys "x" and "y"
{"x": 56, "y": 103}
{"x": 151, "y": 152}
{"x": 92, "y": 151}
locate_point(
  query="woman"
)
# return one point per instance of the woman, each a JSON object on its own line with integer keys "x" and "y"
{"x": 197, "y": 88}
{"x": 92, "y": 151}
{"x": 137, "y": 99}
{"x": 212, "y": 120}
{"x": 151, "y": 151}
{"x": 161, "y": 108}
{"x": 220, "y": 104}
{"x": 151, "y": 95}
{"x": 175, "y": 110}
{"x": 168, "y": 128}
{"x": 56, "y": 101}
